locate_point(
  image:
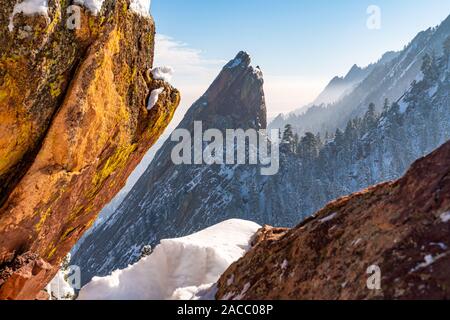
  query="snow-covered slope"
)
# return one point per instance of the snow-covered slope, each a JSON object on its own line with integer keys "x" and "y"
{"x": 389, "y": 78}
{"x": 184, "y": 268}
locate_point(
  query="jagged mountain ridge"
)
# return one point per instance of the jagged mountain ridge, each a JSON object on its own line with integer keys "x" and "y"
{"x": 389, "y": 78}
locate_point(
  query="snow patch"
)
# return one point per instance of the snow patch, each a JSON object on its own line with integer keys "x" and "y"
{"x": 432, "y": 91}
{"x": 241, "y": 295}
{"x": 184, "y": 268}
{"x": 163, "y": 73}
{"x": 328, "y": 218}
{"x": 403, "y": 106}
{"x": 234, "y": 63}
{"x": 441, "y": 245}
{"x": 28, "y": 7}
{"x": 141, "y": 7}
{"x": 94, "y": 6}
{"x": 445, "y": 217}
{"x": 257, "y": 71}
{"x": 154, "y": 96}
{"x": 429, "y": 260}
{"x": 230, "y": 280}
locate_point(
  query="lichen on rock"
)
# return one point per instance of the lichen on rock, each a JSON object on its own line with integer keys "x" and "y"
{"x": 73, "y": 126}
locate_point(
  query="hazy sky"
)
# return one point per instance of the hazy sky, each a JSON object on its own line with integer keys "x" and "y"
{"x": 299, "y": 45}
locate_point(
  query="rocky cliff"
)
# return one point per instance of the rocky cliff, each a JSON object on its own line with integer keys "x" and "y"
{"x": 400, "y": 227}
{"x": 74, "y": 123}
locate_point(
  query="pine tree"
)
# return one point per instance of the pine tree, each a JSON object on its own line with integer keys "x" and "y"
{"x": 296, "y": 142}
{"x": 370, "y": 119}
{"x": 287, "y": 142}
{"x": 430, "y": 69}
{"x": 309, "y": 146}
{"x": 339, "y": 137}
{"x": 386, "y": 105}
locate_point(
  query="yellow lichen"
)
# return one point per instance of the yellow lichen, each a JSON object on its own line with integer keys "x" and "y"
{"x": 116, "y": 161}
{"x": 41, "y": 222}
{"x": 52, "y": 252}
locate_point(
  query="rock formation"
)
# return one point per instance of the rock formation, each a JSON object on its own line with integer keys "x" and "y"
{"x": 401, "y": 227}
{"x": 74, "y": 123}
{"x": 177, "y": 200}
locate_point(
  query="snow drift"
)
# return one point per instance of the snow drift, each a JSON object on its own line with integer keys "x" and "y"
{"x": 184, "y": 268}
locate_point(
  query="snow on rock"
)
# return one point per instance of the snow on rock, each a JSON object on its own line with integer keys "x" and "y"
{"x": 183, "y": 268}
{"x": 94, "y": 6}
{"x": 162, "y": 73}
{"x": 403, "y": 106}
{"x": 445, "y": 217}
{"x": 141, "y": 7}
{"x": 429, "y": 260}
{"x": 236, "y": 61}
{"x": 28, "y": 7}
{"x": 154, "y": 96}
{"x": 258, "y": 72}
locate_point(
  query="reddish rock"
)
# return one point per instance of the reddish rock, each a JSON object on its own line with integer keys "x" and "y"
{"x": 24, "y": 276}
{"x": 402, "y": 227}
{"x": 74, "y": 125}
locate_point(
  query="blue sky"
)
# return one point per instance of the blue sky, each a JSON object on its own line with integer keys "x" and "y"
{"x": 300, "y": 45}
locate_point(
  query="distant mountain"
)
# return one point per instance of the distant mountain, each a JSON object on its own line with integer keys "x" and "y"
{"x": 341, "y": 86}
{"x": 388, "y": 78}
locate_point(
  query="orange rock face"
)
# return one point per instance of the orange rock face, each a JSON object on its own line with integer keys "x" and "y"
{"x": 396, "y": 232}
{"x": 84, "y": 146}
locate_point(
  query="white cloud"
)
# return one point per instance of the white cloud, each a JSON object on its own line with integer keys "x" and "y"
{"x": 185, "y": 60}
{"x": 193, "y": 73}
